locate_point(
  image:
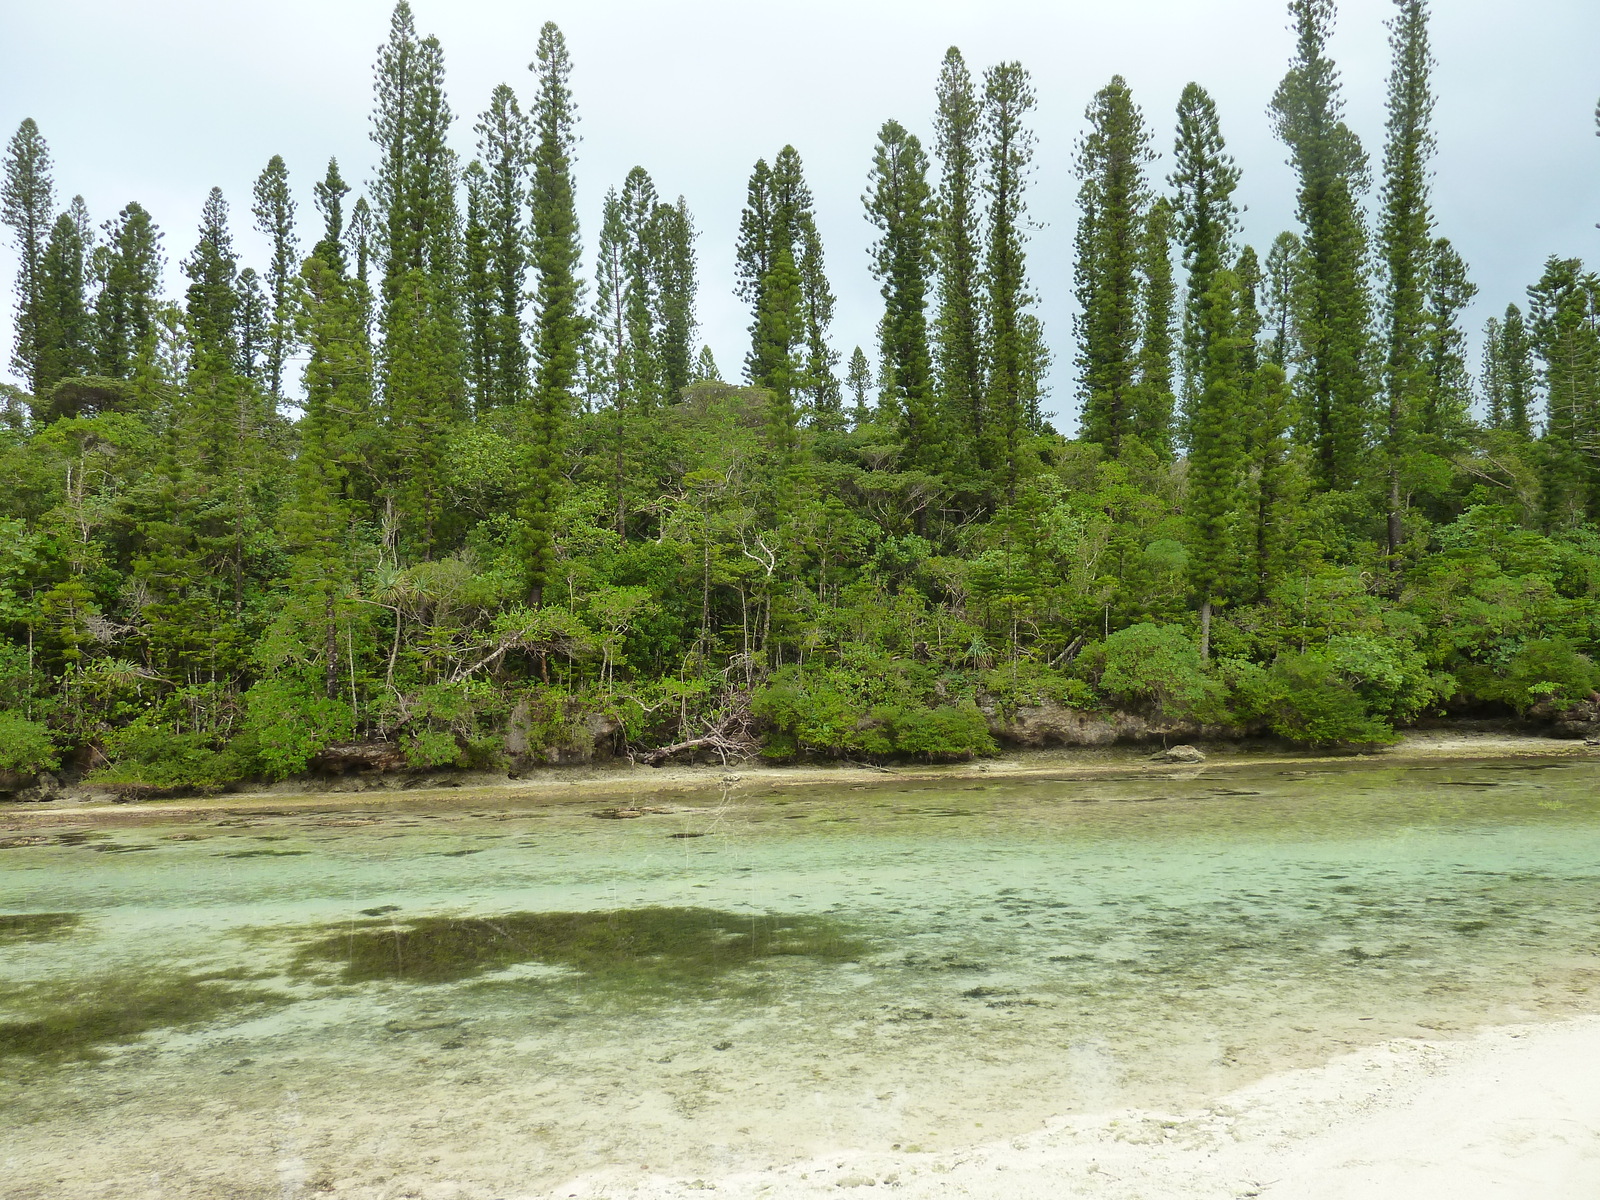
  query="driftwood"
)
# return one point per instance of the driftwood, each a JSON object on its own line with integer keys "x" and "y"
{"x": 731, "y": 737}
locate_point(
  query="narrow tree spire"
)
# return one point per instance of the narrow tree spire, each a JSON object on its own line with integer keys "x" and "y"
{"x": 27, "y": 206}
{"x": 274, "y": 210}
{"x": 128, "y": 264}
{"x": 1216, "y": 450}
{"x": 1113, "y": 197}
{"x": 1154, "y": 398}
{"x": 505, "y": 148}
{"x": 1334, "y": 318}
{"x": 1203, "y": 180}
{"x": 557, "y": 319}
{"x": 899, "y": 205}
{"x": 1405, "y": 244}
{"x": 959, "y": 324}
{"x": 1008, "y": 98}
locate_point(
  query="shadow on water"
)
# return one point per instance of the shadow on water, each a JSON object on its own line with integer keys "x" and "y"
{"x": 76, "y": 1019}
{"x": 37, "y": 927}
{"x": 637, "y": 949}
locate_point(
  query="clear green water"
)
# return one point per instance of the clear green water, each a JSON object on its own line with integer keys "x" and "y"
{"x": 480, "y": 991}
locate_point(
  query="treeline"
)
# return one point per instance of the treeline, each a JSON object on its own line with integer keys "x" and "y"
{"x": 430, "y": 482}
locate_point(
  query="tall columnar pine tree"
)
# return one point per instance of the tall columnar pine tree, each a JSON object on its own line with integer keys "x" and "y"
{"x": 609, "y": 329}
{"x": 1334, "y": 316}
{"x": 211, "y": 307}
{"x": 1204, "y": 179}
{"x": 1216, "y": 450}
{"x": 27, "y": 206}
{"x": 624, "y": 344}
{"x": 1491, "y": 374}
{"x": 360, "y": 242}
{"x": 1008, "y": 145}
{"x": 765, "y": 228}
{"x": 1268, "y": 484}
{"x": 778, "y": 330}
{"x": 675, "y": 283}
{"x": 641, "y": 372}
{"x": 789, "y": 351}
{"x": 330, "y": 324}
{"x": 477, "y": 289}
{"x": 353, "y": 430}
{"x": 1444, "y": 412}
{"x": 558, "y": 324}
{"x": 1511, "y": 406}
{"x": 128, "y": 266}
{"x": 858, "y": 381}
{"x": 274, "y": 211}
{"x": 899, "y": 205}
{"x": 753, "y": 251}
{"x": 1405, "y": 246}
{"x": 222, "y": 420}
{"x": 1564, "y": 328}
{"x": 958, "y": 340}
{"x": 1285, "y": 293}
{"x": 1113, "y": 202}
{"x": 423, "y": 364}
{"x": 705, "y": 367}
{"x": 505, "y": 149}
{"x": 819, "y": 379}
{"x": 63, "y": 333}
{"x": 1154, "y": 397}
{"x": 254, "y": 328}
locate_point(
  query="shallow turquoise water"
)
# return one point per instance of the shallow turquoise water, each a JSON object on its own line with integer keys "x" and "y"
{"x": 364, "y": 1001}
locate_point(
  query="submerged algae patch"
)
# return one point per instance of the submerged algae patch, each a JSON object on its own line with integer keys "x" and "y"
{"x": 636, "y": 946}
{"x": 37, "y": 927}
{"x": 58, "y": 1022}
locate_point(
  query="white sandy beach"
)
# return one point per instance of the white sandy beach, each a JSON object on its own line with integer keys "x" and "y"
{"x": 1510, "y": 1114}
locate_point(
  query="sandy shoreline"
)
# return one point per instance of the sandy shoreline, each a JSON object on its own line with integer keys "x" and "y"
{"x": 1511, "y": 1113}
{"x": 558, "y": 784}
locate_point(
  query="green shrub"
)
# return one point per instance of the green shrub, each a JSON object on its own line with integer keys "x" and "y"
{"x": 292, "y": 722}
{"x": 431, "y": 748}
{"x": 1310, "y": 698}
{"x": 1392, "y": 677}
{"x": 937, "y": 734}
{"x": 821, "y": 713}
{"x": 1546, "y": 670}
{"x": 25, "y": 745}
{"x": 1016, "y": 685}
{"x": 149, "y": 754}
{"x": 1155, "y": 666}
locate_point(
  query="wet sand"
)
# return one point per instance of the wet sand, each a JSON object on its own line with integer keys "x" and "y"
{"x": 687, "y": 783}
{"x": 1510, "y": 1114}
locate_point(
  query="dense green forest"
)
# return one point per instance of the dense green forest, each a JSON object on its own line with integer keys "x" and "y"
{"x": 433, "y": 477}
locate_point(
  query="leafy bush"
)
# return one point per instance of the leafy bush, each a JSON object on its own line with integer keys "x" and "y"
{"x": 1016, "y": 685}
{"x": 292, "y": 722}
{"x": 1391, "y": 676}
{"x": 1155, "y": 666}
{"x": 1310, "y": 698}
{"x": 1546, "y": 670}
{"x": 819, "y": 713}
{"x": 25, "y": 745}
{"x": 149, "y": 754}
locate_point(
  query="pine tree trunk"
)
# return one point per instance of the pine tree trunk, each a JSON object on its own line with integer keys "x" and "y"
{"x": 1205, "y": 630}
{"x": 1396, "y": 532}
{"x": 330, "y": 651}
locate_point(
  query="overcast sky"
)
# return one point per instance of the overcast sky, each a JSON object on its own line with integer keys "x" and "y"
{"x": 159, "y": 101}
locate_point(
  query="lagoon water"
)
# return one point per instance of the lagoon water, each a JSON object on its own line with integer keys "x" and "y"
{"x": 485, "y": 994}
